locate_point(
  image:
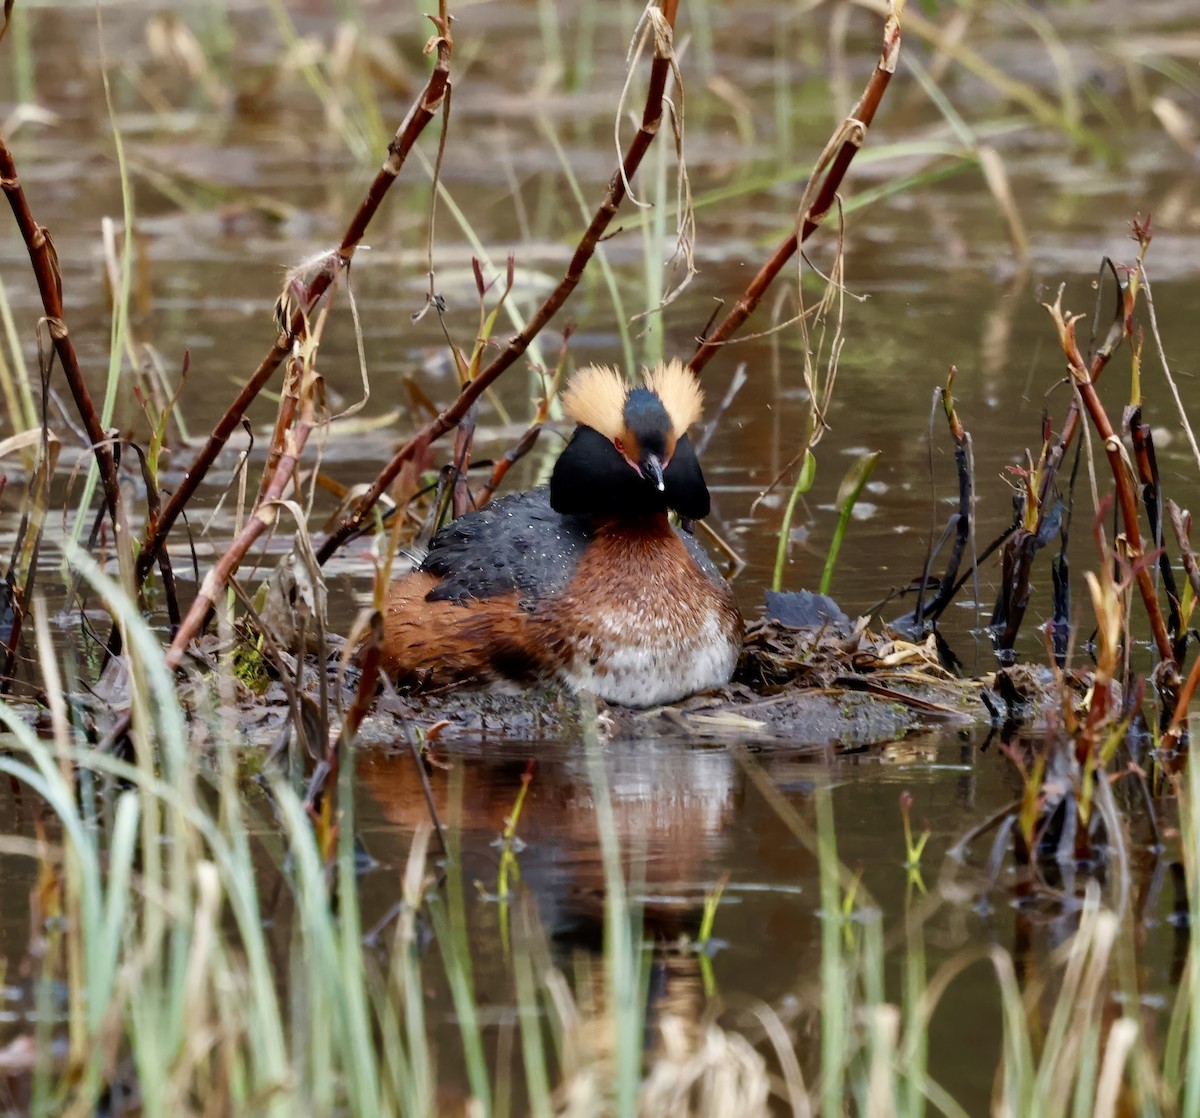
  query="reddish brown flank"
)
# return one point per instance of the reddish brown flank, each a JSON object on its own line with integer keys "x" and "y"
{"x": 436, "y": 644}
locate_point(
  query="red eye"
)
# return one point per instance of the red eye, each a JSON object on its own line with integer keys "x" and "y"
{"x": 619, "y": 445}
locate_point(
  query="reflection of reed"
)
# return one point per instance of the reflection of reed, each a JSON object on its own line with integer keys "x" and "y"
{"x": 995, "y": 346}
{"x": 694, "y": 1066}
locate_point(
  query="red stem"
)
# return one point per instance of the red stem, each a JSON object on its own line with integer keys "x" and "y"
{"x": 422, "y": 112}
{"x": 652, "y": 116}
{"x": 1126, "y": 497}
{"x": 44, "y": 259}
{"x": 855, "y": 127}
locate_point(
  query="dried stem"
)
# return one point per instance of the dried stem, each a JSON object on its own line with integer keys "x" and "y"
{"x": 1174, "y": 734}
{"x": 509, "y": 459}
{"x": 962, "y": 523}
{"x": 1121, "y": 325}
{"x": 1151, "y": 481}
{"x": 460, "y": 491}
{"x": 309, "y": 410}
{"x": 263, "y": 518}
{"x": 838, "y": 156}
{"x": 1181, "y": 522}
{"x": 652, "y": 117}
{"x": 44, "y": 259}
{"x": 1121, "y": 471}
{"x": 371, "y": 660}
{"x": 423, "y": 111}
{"x": 1028, "y": 538}
{"x": 533, "y": 432}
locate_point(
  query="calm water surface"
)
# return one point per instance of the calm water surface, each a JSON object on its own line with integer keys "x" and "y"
{"x": 228, "y": 193}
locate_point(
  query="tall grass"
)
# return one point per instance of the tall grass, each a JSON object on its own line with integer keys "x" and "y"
{"x": 160, "y": 935}
{"x": 1065, "y": 1046}
{"x": 161, "y": 931}
{"x": 14, "y": 373}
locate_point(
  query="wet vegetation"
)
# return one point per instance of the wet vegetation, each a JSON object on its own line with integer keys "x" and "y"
{"x": 241, "y": 874}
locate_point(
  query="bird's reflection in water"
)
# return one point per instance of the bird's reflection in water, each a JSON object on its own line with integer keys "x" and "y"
{"x": 671, "y": 810}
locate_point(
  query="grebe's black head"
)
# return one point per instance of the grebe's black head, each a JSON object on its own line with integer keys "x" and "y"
{"x": 630, "y": 454}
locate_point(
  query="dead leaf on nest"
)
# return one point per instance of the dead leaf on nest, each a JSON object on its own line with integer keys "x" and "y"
{"x": 726, "y": 722}
{"x": 905, "y": 652}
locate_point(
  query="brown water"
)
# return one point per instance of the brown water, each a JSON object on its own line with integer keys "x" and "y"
{"x": 941, "y": 283}
{"x": 693, "y": 815}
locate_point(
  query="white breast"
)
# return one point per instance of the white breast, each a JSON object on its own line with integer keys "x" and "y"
{"x": 634, "y": 656}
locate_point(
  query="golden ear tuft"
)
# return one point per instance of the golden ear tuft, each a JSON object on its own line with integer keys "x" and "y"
{"x": 596, "y": 398}
{"x": 679, "y": 390}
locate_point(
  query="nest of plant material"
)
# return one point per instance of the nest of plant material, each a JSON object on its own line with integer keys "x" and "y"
{"x": 809, "y": 671}
{"x": 808, "y": 675}
{"x": 814, "y": 678}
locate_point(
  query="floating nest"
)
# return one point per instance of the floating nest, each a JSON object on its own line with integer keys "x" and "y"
{"x": 808, "y": 675}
